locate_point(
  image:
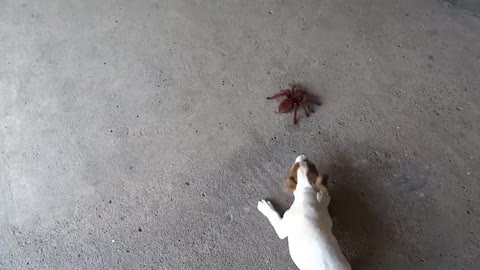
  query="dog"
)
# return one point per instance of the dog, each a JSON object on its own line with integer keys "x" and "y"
{"x": 307, "y": 223}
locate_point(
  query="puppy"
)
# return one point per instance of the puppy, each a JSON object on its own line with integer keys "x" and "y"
{"x": 307, "y": 223}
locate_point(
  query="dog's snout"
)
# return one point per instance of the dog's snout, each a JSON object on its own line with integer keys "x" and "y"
{"x": 300, "y": 158}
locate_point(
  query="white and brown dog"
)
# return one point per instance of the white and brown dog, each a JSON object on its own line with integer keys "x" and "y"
{"x": 307, "y": 223}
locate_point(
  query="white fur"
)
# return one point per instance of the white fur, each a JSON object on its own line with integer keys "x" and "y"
{"x": 308, "y": 226}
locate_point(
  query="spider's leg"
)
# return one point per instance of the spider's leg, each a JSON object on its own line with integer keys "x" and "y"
{"x": 307, "y": 109}
{"x": 314, "y": 100}
{"x": 279, "y": 94}
{"x": 310, "y": 108}
{"x": 295, "y": 106}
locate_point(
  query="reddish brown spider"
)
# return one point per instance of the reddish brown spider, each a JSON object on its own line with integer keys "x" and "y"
{"x": 295, "y": 96}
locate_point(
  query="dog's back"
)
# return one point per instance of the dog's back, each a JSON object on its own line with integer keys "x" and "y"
{"x": 311, "y": 243}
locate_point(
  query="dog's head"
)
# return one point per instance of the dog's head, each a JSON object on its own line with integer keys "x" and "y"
{"x": 304, "y": 175}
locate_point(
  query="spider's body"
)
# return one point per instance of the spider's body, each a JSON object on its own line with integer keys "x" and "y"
{"x": 295, "y": 96}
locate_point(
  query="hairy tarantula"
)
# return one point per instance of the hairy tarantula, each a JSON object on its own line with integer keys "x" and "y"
{"x": 295, "y": 96}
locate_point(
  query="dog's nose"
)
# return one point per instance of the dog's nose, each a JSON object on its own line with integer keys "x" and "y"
{"x": 300, "y": 158}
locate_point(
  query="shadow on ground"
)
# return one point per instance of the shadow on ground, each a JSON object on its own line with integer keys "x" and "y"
{"x": 359, "y": 230}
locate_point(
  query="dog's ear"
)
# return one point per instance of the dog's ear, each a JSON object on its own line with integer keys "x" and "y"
{"x": 291, "y": 183}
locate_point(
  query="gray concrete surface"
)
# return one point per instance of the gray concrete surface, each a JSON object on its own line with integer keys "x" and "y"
{"x": 136, "y": 134}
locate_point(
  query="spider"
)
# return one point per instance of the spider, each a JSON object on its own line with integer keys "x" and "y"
{"x": 295, "y": 96}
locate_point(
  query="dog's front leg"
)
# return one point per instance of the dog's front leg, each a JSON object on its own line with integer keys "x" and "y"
{"x": 323, "y": 197}
{"x": 279, "y": 224}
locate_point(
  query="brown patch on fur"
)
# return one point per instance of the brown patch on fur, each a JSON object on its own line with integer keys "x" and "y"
{"x": 312, "y": 173}
{"x": 291, "y": 183}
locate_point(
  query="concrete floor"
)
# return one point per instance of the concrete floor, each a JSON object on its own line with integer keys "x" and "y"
{"x": 136, "y": 134}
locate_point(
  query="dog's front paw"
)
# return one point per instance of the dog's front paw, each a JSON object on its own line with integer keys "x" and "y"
{"x": 265, "y": 207}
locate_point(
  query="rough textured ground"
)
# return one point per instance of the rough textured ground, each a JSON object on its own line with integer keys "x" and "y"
{"x": 136, "y": 134}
